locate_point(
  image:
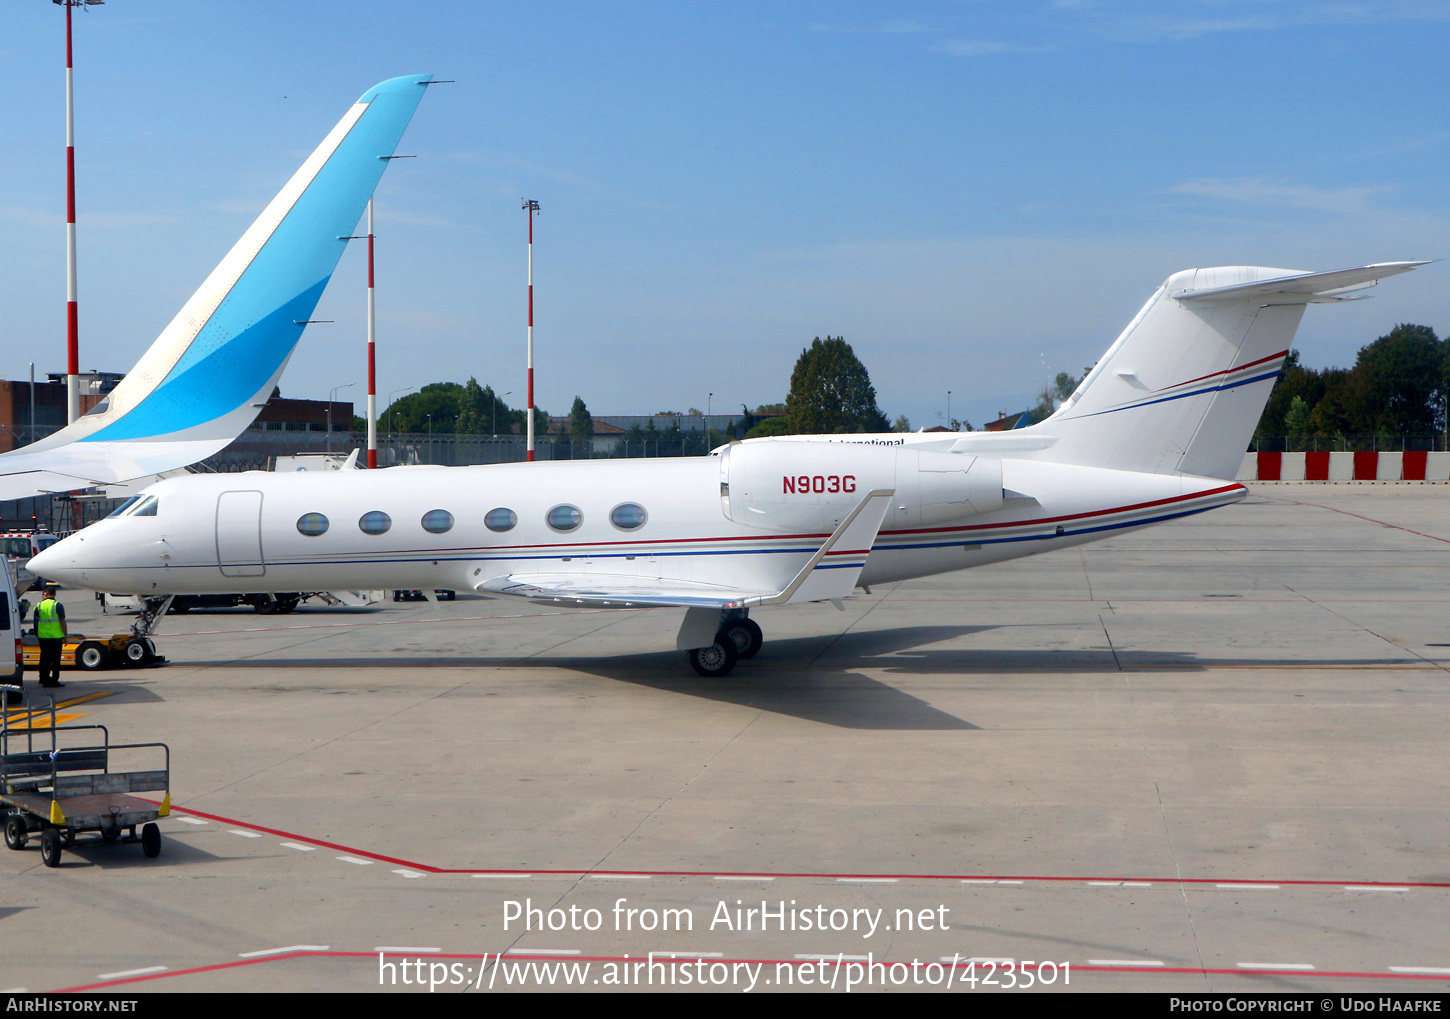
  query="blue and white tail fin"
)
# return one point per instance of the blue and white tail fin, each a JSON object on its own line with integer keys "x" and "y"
{"x": 209, "y": 372}
{"x": 1183, "y": 387}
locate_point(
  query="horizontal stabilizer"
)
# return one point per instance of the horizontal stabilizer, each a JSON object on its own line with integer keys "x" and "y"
{"x": 1300, "y": 288}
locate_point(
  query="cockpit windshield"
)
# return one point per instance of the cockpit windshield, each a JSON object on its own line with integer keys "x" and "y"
{"x": 147, "y": 507}
{"x": 120, "y": 510}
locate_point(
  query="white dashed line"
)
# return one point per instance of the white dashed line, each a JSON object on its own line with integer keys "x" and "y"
{"x": 1105, "y": 884}
{"x": 1137, "y": 884}
{"x": 244, "y": 834}
{"x": 1247, "y": 888}
{"x": 299, "y": 847}
{"x": 979, "y": 881}
{"x": 405, "y": 950}
{"x": 357, "y": 860}
{"x": 288, "y": 948}
{"x": 131, "y": 973}
{"x": 868, "y": 880}
{"x": 689, "y": 955}
{"x": 620, "y": 877}
{"x": 1125, "y": 962}
{"x": 735, "y": 877}
{"x": 541, "y": 951}
{"x": 1376, "y": 888}
{"x": 191, "y": 820}
{"x": 1275, "y": 965}
{"x": 833, "y": 958}
{"x": 1004, "y": 882}
{"x": 1432, "y": 970}
{"x": 501, "y": 876}
{"x": 408, "y": 873}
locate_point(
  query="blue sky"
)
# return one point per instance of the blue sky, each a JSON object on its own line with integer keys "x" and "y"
{"x": 976, "y": 194}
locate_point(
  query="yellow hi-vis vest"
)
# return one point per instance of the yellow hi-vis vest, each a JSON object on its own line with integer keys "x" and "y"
{"x": 47, "y": 625}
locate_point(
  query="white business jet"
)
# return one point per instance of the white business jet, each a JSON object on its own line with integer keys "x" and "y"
{"x": 1156, "y": 431}
{"x": 205, "y": 377}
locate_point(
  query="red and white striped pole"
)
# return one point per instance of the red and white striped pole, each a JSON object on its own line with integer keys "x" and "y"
{"x": 372, "y": 359}
{"x": 531, "y": 207}
{"x": 73, "y": 356}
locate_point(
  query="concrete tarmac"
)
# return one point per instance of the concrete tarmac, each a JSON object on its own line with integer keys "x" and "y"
{"x": 1206, "y": 756}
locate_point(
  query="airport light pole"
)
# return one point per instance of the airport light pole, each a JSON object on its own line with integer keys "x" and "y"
{"x": 530, "y": 206}
{"x": 949, "y": 409}
{"x": 394, "y": 393}
{"x": 73, "y": 355}
{"x": 330, "y": 397}
{"x": 495, "y": 411}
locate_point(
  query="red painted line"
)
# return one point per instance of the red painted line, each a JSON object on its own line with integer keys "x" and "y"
{"x": 688, "y": 959}
{"x": 1226, "y": 371}
{"x": 1045, "y": 878}
{"x": 1346, "y": 513}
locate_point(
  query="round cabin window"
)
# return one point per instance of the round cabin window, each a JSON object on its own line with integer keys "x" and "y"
{"x": 500, "y": 519}
{"x": 312, "y": 524}
{"x": 374, "y": 522}
{"x": 628, "y": 516}
{"x": 564, "y": 518}
{"x": 437, "y": 521}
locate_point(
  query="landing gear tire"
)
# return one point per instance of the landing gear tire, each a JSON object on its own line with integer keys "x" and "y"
{"x": 136, "y": 653}
{"x": 265, "y": 604}
{"x": 715, "y": 661}
{"x": 50, "y": 847}
{"x": 744, "y": 634}
{"x": 91, "y": 656}
{"x": 15, "y": 833}
{"x": 151, "y": 841}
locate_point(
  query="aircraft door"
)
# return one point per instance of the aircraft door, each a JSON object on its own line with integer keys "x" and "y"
{"x": 239, "y": 534}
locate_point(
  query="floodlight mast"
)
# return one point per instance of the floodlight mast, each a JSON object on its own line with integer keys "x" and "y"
{"x": 530, "y": 206}
{"x": 372, "y": 356}
{"x": 73, "y": 356}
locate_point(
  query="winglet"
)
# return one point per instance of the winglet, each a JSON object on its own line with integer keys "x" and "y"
{"x": 833, "y": 570}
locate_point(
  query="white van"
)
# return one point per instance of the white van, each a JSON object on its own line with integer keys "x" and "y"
{"x": 18, "y": 547}
{"x": 10, "y": 620}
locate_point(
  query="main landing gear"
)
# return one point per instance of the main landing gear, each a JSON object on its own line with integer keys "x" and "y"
{"x": 738, "y": 637}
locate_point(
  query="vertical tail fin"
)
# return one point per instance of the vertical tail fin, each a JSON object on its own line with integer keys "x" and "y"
{"x": 1182, "y": 389}
{"x": 201, "y": 383}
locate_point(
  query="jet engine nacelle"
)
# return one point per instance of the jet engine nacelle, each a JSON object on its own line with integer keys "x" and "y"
{"x": 792, "y": 486}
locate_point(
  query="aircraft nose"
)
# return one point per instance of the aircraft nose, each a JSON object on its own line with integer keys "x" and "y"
{"x": 58, "y": 562}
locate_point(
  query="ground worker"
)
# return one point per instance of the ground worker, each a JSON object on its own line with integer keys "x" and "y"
{"x": 50, "y": 630}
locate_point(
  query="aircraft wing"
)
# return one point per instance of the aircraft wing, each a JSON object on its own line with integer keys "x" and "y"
{"x": 1301, "y": 288}
{"x": 212, "y": 369}
{"x": 831, "y": 573}
{"x": 610, "y": 592}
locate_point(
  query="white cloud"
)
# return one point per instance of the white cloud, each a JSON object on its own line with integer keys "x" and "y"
{"x": 982, "y": 48}
{"x": 1348, "y": 200}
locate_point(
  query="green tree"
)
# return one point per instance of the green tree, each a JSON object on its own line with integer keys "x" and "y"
{"x": 438, "y": 399}
{"x": 831, "y": 392}
{"x": 769, "y": 427}
{"x": 473, "y": 408}
{"x": 581, "y": 422}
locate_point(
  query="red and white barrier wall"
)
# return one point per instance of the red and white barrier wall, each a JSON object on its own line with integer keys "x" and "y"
{"x": 1361, "y": 466}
